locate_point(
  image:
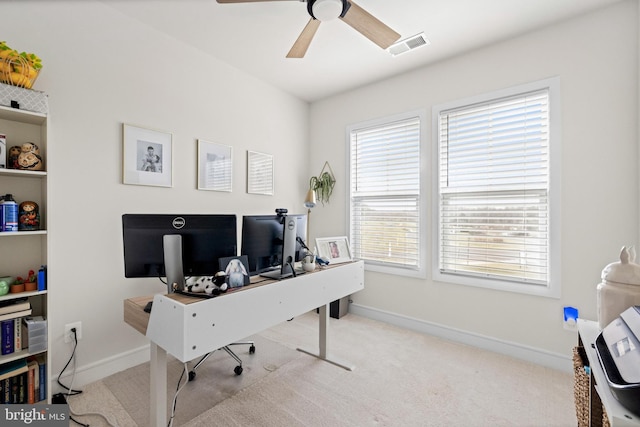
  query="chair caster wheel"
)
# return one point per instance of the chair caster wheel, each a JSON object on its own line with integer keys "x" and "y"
{"x": 252, "y": 349}
{"x": 192, "y": 375}
{"x": 238, "y": 370}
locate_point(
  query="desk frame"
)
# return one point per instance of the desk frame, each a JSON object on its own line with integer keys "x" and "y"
{"x": 188, "y": 328}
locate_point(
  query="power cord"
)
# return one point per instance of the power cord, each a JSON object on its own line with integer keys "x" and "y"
{"x": 64, "y": 397}
{"x": 178, "y": 390}
{"x": 70, "y": 391}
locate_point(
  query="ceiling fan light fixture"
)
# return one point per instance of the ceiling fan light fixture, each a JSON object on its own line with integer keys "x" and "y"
{"x": 326, "y": 10}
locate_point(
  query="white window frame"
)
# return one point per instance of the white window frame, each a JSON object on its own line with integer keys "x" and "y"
{"x": 552, "y": 287}
{"x": 421, "y": 270}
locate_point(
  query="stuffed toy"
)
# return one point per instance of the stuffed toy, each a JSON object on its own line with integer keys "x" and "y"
{"x": 211, "y": 285}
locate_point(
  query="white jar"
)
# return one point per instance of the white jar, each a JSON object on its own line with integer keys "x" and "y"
{"x": 620, "y": 287}
{"x": 613, "y": 299}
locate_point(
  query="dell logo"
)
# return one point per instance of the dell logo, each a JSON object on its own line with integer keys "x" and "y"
{"x": 291, "y": 225}
{"x": 178, "y": 223}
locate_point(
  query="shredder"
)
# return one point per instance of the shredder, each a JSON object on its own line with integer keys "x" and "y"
{"x": 618, "y": 350}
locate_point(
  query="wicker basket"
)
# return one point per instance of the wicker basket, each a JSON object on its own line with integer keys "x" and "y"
{"x": 581, "y": 386}
{"x": 17, "y": 71}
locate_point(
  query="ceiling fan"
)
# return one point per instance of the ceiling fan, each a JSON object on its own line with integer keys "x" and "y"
{"x": 326, "y": 10}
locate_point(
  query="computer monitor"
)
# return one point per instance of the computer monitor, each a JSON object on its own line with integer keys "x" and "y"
{"x": 204, "y": 239}
{"x": 263, "y": 238}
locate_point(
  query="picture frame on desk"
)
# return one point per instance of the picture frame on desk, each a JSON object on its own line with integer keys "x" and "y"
{"x": 335, "y": 249}
{"x": 147, "y": 157}
{"x": 236, "y": 270}
{"x": 215, "y": 166}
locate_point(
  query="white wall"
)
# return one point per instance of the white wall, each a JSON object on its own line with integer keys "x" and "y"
{"x": 102, "y": 69}
{"x": 596, "y": 58}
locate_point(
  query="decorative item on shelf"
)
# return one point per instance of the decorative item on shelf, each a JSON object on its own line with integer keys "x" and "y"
{"x": 4, "y": 284}
{"x": 12, "y": 157}
{"x": 28, "y": 216}
{"x": 620, "y": 287}
{"x": 18, "y": 69}
{"x": 323, "y": 184}
{"x": 29, "y": 157}
{"x": 17, "y": 286}
{"x": 30, "y": 283}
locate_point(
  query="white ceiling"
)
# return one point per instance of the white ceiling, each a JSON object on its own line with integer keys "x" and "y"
{"x": 255, "y": 37}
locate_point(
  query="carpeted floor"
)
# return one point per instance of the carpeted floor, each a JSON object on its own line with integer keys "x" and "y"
{"x": 401, "y": 378}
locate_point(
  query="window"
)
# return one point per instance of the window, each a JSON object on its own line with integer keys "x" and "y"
{"x": 494, "y": 190}
{"x": 385, "y": 199}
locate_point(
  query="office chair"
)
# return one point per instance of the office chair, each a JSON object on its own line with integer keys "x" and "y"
{"x": 238, "y": 369}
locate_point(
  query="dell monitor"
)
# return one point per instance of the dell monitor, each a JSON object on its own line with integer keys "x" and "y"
{"x": 203, "y": 239}
{"x": 270, "y": 247}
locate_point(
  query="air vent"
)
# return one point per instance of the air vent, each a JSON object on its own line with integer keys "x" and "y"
{"x": 408, "y": 44}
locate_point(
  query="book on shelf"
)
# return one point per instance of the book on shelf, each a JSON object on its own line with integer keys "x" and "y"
{"x": 13, "y": 315}
{"x": 42, "y": 377}
{"x": 6, "y": 336}
{"x": 32, "y": 381}
{"x": 6, "y": 390}
{"x": 13, "y": 306}
{"x": 17, "y": 335}
{"x": 13, "y": 368}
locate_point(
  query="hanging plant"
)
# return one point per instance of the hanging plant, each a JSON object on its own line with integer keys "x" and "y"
{"x": 323, "y": 184}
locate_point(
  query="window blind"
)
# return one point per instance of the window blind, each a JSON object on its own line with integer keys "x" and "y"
{"x": 385, "y": 193}
{"x": 493, "y": 189}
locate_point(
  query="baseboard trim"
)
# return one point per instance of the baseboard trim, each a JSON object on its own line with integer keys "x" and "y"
{"x": 101, "y": 369}
{"x": 538, "y": 356}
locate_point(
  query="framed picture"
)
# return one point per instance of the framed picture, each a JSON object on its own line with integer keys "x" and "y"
{"x": 147, "y": 157}
{"x": 236, "y": 270}
{"x": 215, "y": 166}
{"x": 335, "y": 249}
{"x": 259, "y": 173}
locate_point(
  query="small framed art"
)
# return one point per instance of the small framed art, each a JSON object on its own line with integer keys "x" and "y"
{"x": 236, "y": 270}
{"x": 147, "y": 157}
{"x": 259, "y": 173}
{"x": 335, "y": 249}
{"x": 215, "y": 166}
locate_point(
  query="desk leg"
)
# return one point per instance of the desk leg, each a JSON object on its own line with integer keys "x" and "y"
{"x": 323, "y": 335}
{"x": 158, "y": 388}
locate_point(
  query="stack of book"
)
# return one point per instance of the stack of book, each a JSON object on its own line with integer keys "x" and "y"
{"x": 23, "y": 381}
{"x": 11, "y": 314}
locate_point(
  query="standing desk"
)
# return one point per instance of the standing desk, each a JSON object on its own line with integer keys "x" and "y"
{"x": 188, "y": 327}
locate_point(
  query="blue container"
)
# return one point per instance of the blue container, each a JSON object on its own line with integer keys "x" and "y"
{"x": 9, "y": 220}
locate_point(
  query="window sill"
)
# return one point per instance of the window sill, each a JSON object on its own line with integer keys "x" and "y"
{"x": 548, "y": 291}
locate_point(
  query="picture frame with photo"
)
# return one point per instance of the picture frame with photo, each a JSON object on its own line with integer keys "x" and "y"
{"x": 147, "y": 156}
{"x": 335, "y": 249}
{"x": 215, "y": 166}
{"x": 236, "y": 270}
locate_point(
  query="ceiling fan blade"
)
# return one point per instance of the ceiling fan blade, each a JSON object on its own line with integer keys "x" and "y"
{"x": 369, "y": 26}
{"x": 248, "y": 1}
{"x": 304, "y": 39}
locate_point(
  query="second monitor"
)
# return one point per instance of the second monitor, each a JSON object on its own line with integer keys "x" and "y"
{"x": 266, "y": 241}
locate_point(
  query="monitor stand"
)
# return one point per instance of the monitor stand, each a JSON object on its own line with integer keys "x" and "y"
{"x": 289, "y": 226}
{"x": 279, "y": 274}
{"x": 172, "y": 246}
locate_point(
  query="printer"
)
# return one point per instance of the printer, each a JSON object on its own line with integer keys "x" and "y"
{"x": 618, "y": 350}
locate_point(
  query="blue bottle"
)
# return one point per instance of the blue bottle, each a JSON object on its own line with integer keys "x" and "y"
{"x": 9, "y": 213}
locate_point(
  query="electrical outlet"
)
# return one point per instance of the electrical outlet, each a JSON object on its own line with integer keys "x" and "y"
{"x": 570, "y": 319}
{"x": 68, "y": 333}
